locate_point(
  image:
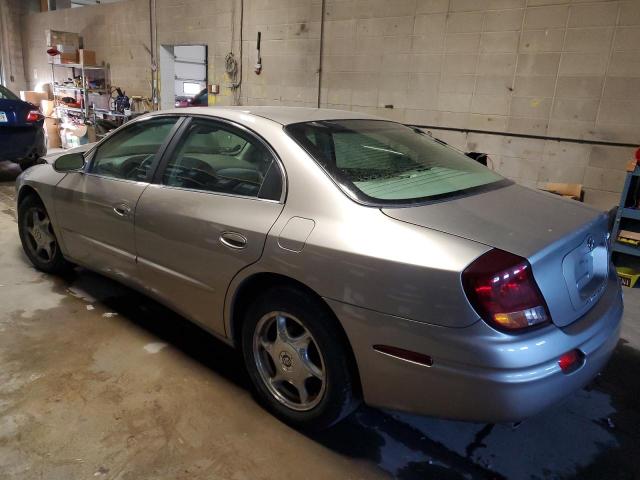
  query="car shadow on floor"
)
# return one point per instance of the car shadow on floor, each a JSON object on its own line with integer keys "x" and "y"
{"x": 595, "y": 434}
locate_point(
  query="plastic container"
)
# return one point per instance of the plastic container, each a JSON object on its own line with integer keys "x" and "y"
{"x": 628, "y": 276}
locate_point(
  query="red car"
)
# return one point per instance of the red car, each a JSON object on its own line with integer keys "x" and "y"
{"x": 200, "y": 100}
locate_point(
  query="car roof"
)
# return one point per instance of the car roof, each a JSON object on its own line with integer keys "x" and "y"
{"x": 282, "y": 115}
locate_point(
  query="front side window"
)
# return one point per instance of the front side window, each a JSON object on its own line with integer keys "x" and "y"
{"x": 216, "y": 157}
{"x": 388, "y": 163}
{"x": 129, "y": 154}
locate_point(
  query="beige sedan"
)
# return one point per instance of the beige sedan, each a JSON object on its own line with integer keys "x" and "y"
{"x": 348, "y": 257}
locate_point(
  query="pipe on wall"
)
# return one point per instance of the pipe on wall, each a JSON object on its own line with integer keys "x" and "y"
{"x": 320, "y": 53}
{"x": 153, "y": 37}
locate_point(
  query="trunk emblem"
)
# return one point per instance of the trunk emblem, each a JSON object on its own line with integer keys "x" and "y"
{"x": 591, "y": 243}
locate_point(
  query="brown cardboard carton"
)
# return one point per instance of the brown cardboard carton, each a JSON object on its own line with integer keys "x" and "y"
{"x": 50, "y": 122}
{"x": 34, "y": 97}
{"x": 52, "y": 133}
{"x": 47, "y": 107}
{"x": 88, "y": 57}
{"x": 569, "y": 190}
{"x": 65, "y": 58}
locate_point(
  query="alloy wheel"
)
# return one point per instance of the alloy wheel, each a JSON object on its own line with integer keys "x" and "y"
{"x": 289, "y": 361}
{"x": 40, "y": 237}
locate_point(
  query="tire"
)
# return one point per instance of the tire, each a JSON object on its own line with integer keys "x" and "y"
{"x": 38, "y": 238}
{"x": 329, "y": 386}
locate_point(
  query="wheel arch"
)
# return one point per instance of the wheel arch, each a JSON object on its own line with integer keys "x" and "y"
{"x": 44, "y": 196}
{"x": 261, "y": 281}
{"x": 25, "y": 191}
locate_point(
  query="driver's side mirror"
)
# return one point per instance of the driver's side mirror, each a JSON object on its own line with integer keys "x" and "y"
{"x": 70, "y": 162}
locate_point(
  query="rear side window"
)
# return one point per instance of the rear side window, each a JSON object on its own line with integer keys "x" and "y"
{"x": 129, "y": 154}
{"x": 217, "y": 157}
{"x": 388, "y": 163}
{"x": 6, "y": 94}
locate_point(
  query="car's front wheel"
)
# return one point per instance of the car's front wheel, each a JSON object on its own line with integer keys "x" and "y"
{"x": 38, "y": 238}
{"x": 298, "y": 364}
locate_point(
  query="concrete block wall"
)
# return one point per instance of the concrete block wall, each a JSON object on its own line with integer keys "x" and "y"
{"x": 215, "y": 23}
{"x": 599, "y": 168}
{"x": 290, "y": 44}
{"x": 567, "y": 68}
{"x": 118, "y": 32}
{"x": 546, "y": 67}
{"x": 11, "y": 41}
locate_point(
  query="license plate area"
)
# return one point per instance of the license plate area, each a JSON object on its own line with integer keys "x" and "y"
{"x": 585, "y": 271}
{"x": 3, "y": 117}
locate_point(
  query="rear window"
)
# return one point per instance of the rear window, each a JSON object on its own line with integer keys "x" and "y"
{"x": 6, "y": 94}
{"x": 388, "y": 163}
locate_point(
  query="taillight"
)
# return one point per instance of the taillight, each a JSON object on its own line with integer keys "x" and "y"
{"x": 501, "y": 288}
{"x": 34, "y": 116}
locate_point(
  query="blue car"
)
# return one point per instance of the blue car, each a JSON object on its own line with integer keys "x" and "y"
{"x": 22, "y": 137}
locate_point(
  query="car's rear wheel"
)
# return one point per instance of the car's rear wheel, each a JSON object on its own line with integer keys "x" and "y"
{"x": 38, "y": 238}
{"x": 299, "y": 367}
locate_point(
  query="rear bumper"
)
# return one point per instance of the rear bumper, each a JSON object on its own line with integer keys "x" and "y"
{"x": 478, "y": 374}
{"x": 20, "y": 143}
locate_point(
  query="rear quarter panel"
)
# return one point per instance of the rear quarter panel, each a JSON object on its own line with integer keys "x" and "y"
{"x": 357, "y": 255}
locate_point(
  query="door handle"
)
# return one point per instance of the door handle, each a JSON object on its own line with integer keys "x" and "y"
{"x": 122, "y": 210}
{"x": 233, "y": 240}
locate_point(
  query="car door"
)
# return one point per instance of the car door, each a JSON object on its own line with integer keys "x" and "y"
{"x": 96, "y": 206}
{"x": 206, "y": 216}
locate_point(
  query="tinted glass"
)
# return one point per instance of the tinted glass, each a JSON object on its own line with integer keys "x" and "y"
{"x": 218, "y": 158}
{"x": 201, "y": 99}
{"x": 6, "y": 94}
{"x": 129, "y": 153}
{"x": 386, "y": 162}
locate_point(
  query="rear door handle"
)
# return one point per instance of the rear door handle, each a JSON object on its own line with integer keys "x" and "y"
{"x": 233, "y": 240}
{"x": 122, "y": 210}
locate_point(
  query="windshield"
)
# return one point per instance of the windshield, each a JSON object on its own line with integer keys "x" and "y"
{"x": 6, "y": 94}
{"x": 386, "y": 162}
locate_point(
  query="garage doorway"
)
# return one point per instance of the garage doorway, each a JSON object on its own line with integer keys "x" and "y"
{"x": 183, "y": 76}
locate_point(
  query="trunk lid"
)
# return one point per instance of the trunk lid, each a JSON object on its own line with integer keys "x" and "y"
{"x": 565, "y": 241}
{"x": 15, "y": 113}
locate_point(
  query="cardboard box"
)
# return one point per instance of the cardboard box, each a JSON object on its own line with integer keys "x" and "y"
{"x": 73, "y": 135}
{"x": 91, "y": 134}
{"x": 88, "y": 57}
{"x": 568, "y": 190}
{"x": 52, "y": 133}
{"x": 34, "y": 97}
{"x": 629, "y": 234}
{"x": 47, "y": 107}
{"x": 65, "y": 58}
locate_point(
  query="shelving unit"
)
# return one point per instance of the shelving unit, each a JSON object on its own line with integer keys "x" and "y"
{"x": 628, "y": 218}
{"x": 83, "y": 71}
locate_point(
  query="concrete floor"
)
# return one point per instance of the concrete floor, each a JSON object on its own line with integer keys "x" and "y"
{"x": 97, "y": 381}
